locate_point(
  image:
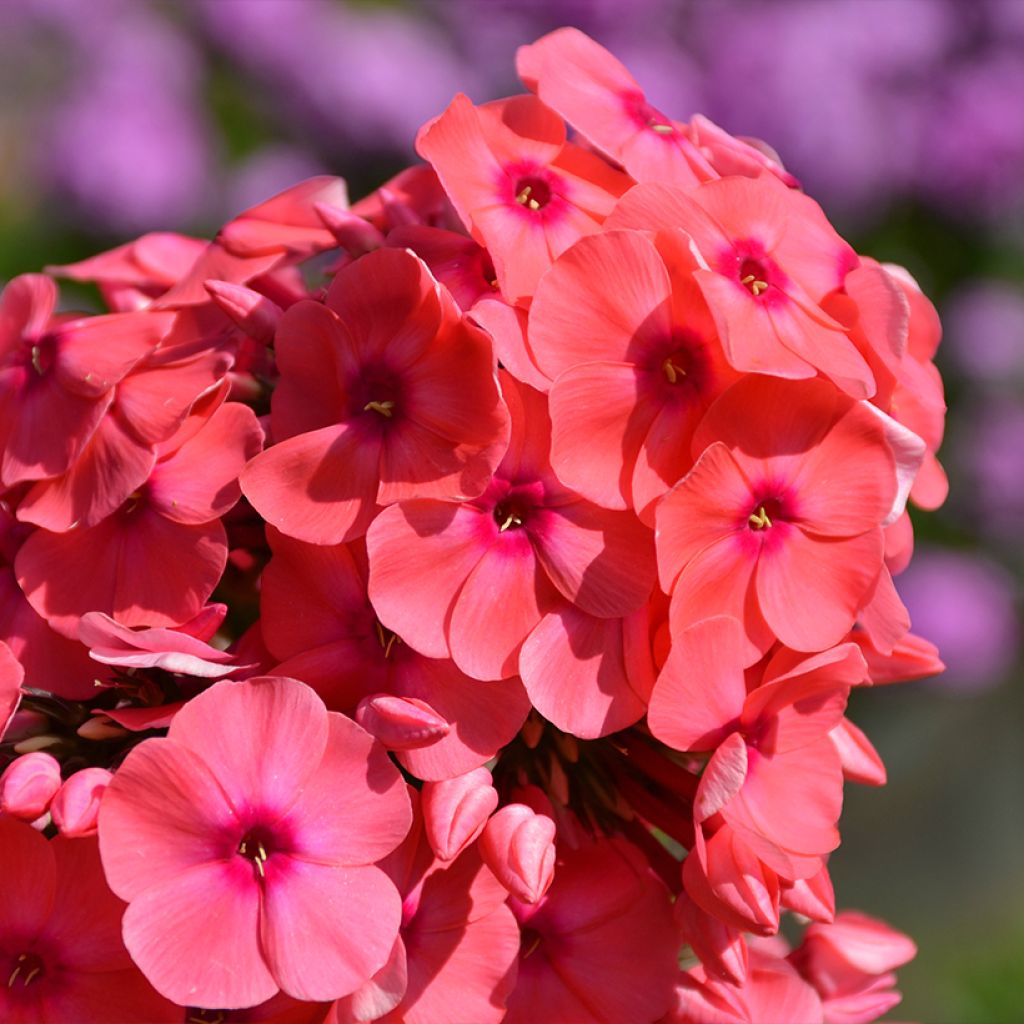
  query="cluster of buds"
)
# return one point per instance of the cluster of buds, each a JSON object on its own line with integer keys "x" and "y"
{"x": 445, "y": 607}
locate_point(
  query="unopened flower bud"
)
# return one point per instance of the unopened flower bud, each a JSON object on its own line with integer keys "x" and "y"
{"x": 353, "y": 233}
{"x": 28, "y": 784}
{"x": 455, "y": 811}
{"x": 519, "y": 848}
{"x": 401, "y": 723}
{"x": 77, "y": 803}
{"x": 257, "y": 315}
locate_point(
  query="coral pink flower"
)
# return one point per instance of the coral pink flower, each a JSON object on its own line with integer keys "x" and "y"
{"x": 851, "y": 963}
{"x": 624, "y": 329}
{"x": 156, "y": 560}
{"x": 318, "y": 622}
{"x": 471, "y": 580}
{"x": 61, "y": 954}
{"x": 518, "y": 845}
{"x": 771, "y": 991}
{"x": 595, "y": 93}
{"x": 459, "y": 941}
{"x": 775, "y": 772}
{"x": 274, "y": 810}
{"x": 771, "y": 259}
{"x": 57, "y": 378}
{"x": 779, "y": 523}
{"x": 132, "y": 275}
{"x": 523, "y": 192}
{"x": 386, "y": 393}
{"x": 601, "y": 947}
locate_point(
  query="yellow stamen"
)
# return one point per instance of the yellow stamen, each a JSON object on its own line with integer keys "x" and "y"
{"x": 661, "y": 129}
{"x": 261, "y": 852}
{"x": 535, "y": 942}
{"x": 512, "y": 519}
{"x": 524, "y": 197}
{"x": 754, "y": 284}
{"x": 672, "y": 372}
{"x": 37, "y": 360}
{"x": 384, "y": 408}
{"x": 31, "y": 974}
{"x": 759, "y": 520}
{"x": 391, "y": 643}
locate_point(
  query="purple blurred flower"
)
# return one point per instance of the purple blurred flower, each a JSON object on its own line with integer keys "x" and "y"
{"x": 370, "y": 77}
{"x": 990, "y": 459}
{"x": 836, "y": 92}
{"x": 127, "y": 142}
{"x": 974, "y": 148}
{"x": 965, "y": 605}
{"x": 984, "y": 327}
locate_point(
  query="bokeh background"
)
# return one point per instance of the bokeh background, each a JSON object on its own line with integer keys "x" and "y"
{"x": 904, "y": 118}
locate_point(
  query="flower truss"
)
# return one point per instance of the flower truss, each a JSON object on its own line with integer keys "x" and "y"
{"x": 444, "y": 608}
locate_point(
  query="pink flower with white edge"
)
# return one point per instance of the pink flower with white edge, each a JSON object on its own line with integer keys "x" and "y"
{"x": 254, "y": 872}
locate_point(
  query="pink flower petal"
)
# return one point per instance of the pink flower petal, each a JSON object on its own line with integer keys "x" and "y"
{"x": 277, "y": 737}
{"x": 810, "y": 589}
{"x": 359, "y": 822}
{"x": 575, "y": 669}
{"x": 420, "y": 555}
{"x": 601, "y": 560}
{"x": 325, "y": 930}
{"x": 319, "y": 487}
{"x": 196, "y": 957}
{"x": 148, "y": 843}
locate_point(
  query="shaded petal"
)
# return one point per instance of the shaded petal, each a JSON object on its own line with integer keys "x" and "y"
{"x": 502, "y": 599}
{"x": 575, "y": 670}
{"x": 199, "y": 482}
{"x": 319, "y": 487}
{"x": 600, "y": 559}
{"x": 420, "y": 555}
{"x": 598, "y": 423}
{"x": 699, "y": 695}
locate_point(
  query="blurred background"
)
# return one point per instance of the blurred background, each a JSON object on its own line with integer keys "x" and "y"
{"x": 904, "y": 118}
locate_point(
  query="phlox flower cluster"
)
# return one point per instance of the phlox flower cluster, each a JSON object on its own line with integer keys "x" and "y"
{"x": 444, "y": 607}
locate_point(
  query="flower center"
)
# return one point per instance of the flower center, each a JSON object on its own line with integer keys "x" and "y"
{"x": 42, "y": 354}
{"x": 256, "y": 845}
{"x": 533, "y": 193}
{"x": 28, "y": 967}
{"x": 765, "y": 514}
{"x": 387, "y": 638}
{"x": 529, "y": 940}
{"x": 754, "y": 276}
{"x": 509, "y": 516}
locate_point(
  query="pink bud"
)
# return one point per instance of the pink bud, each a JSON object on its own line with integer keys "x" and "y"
{"x": 77, "y": 803}
{"x": 456, "y": 810}
{"x": 519, "y": 848}
{"x": 354, "y": 234}
{"x": 28, "y": 784}
{"x": 401, "y": 723}
{"x": 253, "y": 312}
